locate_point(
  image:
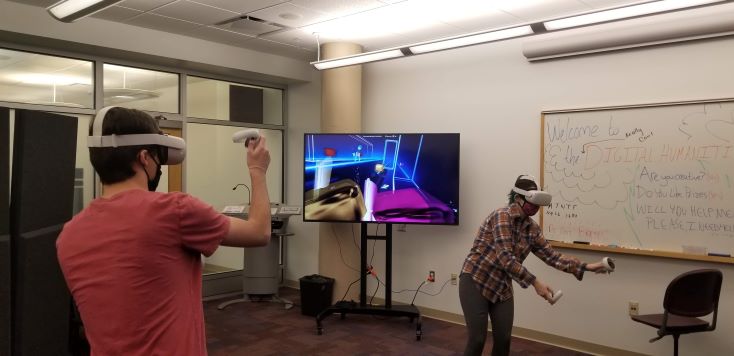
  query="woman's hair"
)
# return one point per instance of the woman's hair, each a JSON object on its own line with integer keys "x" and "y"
{"x": 524, "y": 184}
{"x": 114, "y": 164}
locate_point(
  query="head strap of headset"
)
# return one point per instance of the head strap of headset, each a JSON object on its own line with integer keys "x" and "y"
{"x": 175, "y": 145}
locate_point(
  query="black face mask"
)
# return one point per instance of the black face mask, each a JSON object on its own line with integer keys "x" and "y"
{"x": 153, "y": 183}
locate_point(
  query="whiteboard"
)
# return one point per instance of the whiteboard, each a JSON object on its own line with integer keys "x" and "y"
{"x": 654, "y": 177}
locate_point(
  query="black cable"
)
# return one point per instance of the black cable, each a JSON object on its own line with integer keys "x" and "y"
{"x": 426, "y": 293}
{"x": 374, "y": 242}
{"x": 376, "y": 289}
{"x": 350, "y": 286}
{"x": 248, "y": 191}
{"x": 416, "y": 292}
{"x": 354, "y": 239}
{"x": 340, "y": 250}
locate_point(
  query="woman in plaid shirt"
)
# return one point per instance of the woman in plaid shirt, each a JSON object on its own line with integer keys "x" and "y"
{"x": 503, "y": 242}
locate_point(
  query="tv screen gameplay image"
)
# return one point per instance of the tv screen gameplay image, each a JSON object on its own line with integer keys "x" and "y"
{"x": 385, "y": 178}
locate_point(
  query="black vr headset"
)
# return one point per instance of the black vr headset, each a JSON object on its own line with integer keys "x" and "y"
{"x": 174, "y": 147}
{"x": 534, "y": 196}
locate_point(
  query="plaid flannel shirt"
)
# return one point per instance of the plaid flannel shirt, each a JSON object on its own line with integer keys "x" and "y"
{"x": 503, "y": 242}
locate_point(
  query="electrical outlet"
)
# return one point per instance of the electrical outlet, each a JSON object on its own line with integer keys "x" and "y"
{"x": 431, "y": 276}
{"x": 634, "y": 308}
{"x": 454, "y": 278}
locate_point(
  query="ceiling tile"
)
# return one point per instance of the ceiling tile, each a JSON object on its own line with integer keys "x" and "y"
{"x": 336, "y": 8}
{"x": 44, "y": 3}
{"x": 221, "y": 36}
{"x": 195, "y": 12}
{"x": 144, "y": 5}
{"x": 295, "y": 37}
{"x": 374, "y": 44}
{"x": 281, "y": 49}
{"x": 533, "y": 10}
{"x": 117, "y": 13}
{"x": 601, "y": 4}
{"x": 163, "y": 23}
{"x": 436, "y": 31}
{"x": 250, "y": 27}
{"x": 241, "y": 6}
{"x": 289, "y": 15}
{"x": 468, "y": 15}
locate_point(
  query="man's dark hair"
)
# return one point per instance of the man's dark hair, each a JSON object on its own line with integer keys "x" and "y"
{"x": 115, "y": 164}
{"x": 524, "y": 184}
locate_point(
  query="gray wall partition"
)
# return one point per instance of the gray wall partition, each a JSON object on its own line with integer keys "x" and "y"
{"x": 42, "y": 195}
{"x": 4, "y": 232}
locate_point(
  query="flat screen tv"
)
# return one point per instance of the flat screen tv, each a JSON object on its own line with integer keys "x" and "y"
{"x": 403, "y": 178}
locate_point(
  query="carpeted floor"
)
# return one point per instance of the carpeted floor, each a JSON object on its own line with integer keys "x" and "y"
{"x": 266, "y": 328}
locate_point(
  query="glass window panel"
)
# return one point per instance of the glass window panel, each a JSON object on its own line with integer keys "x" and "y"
{"x": 140, "y": 88}
{"x": 214, "y": 165}
{"x": 45, "y": 80}
{"x": 220, "y": 100}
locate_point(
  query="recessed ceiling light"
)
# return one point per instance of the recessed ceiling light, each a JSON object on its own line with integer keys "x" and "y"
{"x": 290, "y": 16}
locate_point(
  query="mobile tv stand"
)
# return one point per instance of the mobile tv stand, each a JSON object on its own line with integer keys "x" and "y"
{"x": 348, "y": 307}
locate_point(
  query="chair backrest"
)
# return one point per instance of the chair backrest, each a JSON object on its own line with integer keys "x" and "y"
{"x": 694, "y": 293}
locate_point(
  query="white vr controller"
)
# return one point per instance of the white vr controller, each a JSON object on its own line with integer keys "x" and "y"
{"x": 555, "y": 296}
{"x": 245, "y": 136}
{"x": 608, "y": 264}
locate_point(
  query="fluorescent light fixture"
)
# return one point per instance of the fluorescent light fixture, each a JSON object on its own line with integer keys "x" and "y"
{"x": 635, "y": 10}
{"x": 469, "y": 40}
{"x": 624, "y": 12}
{"x": 357, "y": 59}
{"x": 49, "y": 79}
{"x": 72, "y": 10}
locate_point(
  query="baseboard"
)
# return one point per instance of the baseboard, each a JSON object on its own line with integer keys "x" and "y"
{"x": 221, "y": 284}
{"x": 528, "y": 334}
{"x": 292, "y": 284}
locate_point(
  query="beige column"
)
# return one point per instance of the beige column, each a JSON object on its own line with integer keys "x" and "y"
{"x": 341, "y": 111}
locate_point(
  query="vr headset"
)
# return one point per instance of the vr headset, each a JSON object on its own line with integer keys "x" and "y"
{"x": 537, "y": 197}
{"x": 174, "y": 148}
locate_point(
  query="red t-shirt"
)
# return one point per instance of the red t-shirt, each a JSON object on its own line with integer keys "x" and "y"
{"x": 133, "y": 265}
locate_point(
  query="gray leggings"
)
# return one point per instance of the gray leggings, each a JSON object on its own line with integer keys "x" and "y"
{"x": 476, "y": 309}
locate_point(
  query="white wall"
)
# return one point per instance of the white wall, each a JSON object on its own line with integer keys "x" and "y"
{"x": 493, "y": 97}
{"x": 304, "y": 115}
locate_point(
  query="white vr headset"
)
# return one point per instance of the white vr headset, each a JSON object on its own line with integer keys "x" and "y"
{"x": 537, "y": 197}
{"x": 176, "y": 147}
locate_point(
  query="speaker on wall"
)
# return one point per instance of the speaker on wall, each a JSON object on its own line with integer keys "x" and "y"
{"x": 245, "y": 104}
{"x": 5, "y": 290}
{"x": 41, "y": 201}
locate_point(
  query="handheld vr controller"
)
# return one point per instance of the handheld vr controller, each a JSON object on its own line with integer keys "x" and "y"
{"x": 608, "y": 264}
{"x": 556, "y": 295}
{"x": 245, "y": 136}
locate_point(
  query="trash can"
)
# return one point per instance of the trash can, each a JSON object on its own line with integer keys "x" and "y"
{"x": 316, "y": 294}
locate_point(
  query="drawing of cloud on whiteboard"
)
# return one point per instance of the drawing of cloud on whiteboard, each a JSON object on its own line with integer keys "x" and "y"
{"x": 712, "y": 122}
{"x": 605, "y": 189}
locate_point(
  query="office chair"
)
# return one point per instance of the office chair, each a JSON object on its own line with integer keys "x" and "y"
{"x": 689, "y": 296}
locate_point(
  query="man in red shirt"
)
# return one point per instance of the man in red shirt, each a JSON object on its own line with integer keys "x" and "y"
{"x": 132, "y": 258}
